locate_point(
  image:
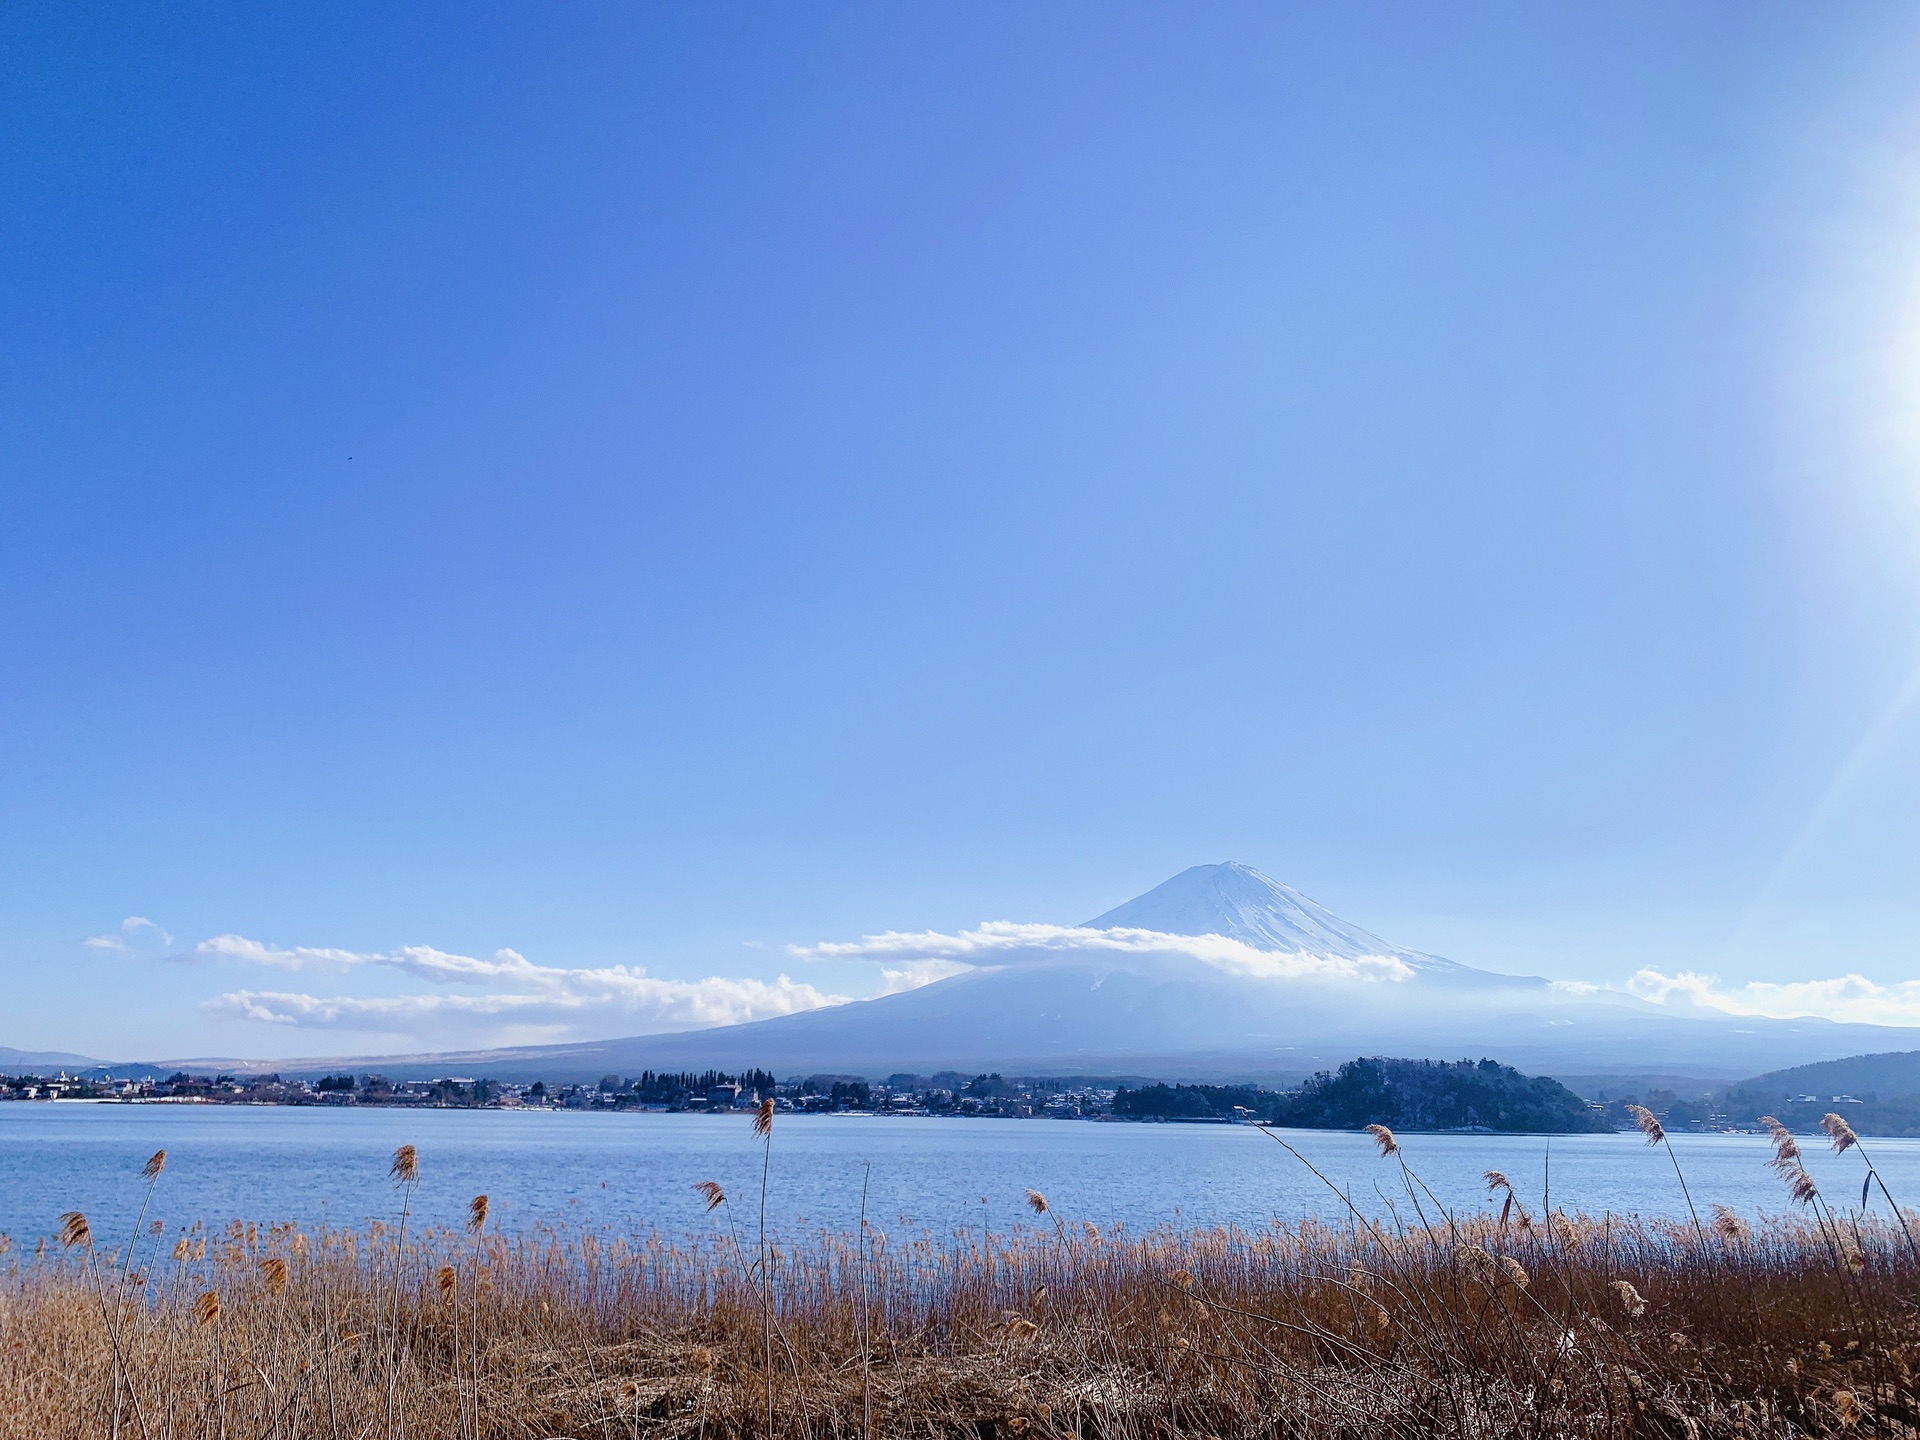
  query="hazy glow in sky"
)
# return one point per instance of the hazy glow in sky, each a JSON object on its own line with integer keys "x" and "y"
{"x": 630, "y": 492}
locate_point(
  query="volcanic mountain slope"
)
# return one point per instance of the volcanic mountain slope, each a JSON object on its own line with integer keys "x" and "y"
{"x": 1220, "y": 972}
{"x": 37, "y": 1062}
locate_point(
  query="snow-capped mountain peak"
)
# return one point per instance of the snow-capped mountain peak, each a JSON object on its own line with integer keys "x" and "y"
{"x": 1239, "y": 902}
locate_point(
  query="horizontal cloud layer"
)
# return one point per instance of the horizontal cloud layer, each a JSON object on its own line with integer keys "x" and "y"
{"x": 1851, "y": 999}
{"x": 514, "y": 991}
{"x": 670, "y": 1004}
{"x": 1004, "y": 942}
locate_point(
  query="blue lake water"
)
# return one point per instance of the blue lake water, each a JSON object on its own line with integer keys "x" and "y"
{"x": 637, "y": 1171}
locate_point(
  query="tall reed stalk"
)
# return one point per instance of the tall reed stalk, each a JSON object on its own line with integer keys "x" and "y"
{"x": 404, "y": 1171}
{"x": 1840, "y": 1133}
{"x": 1656, "y": 1134}
{"x": 763, "y": 1128}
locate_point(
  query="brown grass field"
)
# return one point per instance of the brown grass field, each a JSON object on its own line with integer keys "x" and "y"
{"x": 1500, "y": 1323}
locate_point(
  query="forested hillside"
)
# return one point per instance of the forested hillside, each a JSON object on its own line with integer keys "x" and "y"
{"x": 1436, "y": 1095}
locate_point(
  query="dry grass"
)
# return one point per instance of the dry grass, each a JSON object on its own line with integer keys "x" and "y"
{"x": 1500, "y": 1324}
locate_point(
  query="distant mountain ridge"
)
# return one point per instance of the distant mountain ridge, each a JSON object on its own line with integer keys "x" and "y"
{"x": 1894, "y": 1073}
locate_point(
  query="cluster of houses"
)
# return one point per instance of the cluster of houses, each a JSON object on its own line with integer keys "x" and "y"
{"x": 947, "y": 1093}
{"x": 181, "y": 1087}
{"x": 941, "y": 1094}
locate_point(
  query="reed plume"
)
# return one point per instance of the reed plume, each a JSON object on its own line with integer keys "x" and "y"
{"x": 206, "y": 1309}
{"x": 477, "y": 1214}
{"x": 1729, "y": 1226}
{"x": 1497, "y": 1182}
{"x": 763, "y": 1117}
{"x": 1800, "y": 1186}
{"x": 74, "y": 1230}
{"x": 156, "y": 1162}
{"x": 405, "y": 1169}
{"x": 1649, "y": 1123}
{"x": 1037, "y": 1202}
{"x": 710, "y": 1190}
{"x": 1630, "y": 1299}
{"x": 1383, "y": 1137}
{"x": 1839, "y": 1132}
{"x": 273, "y": 1270}
{"x": 1786, "y": 1150}
{"x": 1788, "y": 1163}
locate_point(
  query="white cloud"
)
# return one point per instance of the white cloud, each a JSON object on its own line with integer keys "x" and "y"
{"x": 1853, "y": 999}
{"x": 133, "y": 929}
{"x": 1003, "y": 942}
{"x": 668, "y": 1004}
{"x": 913, "y": 974}
{"x": 254, "y": 952}
{"x": 419, "y": 960}
{"x": 513, "y": 990}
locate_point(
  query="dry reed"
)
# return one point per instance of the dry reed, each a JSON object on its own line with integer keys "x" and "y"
{"x": 1471, "y": 1326}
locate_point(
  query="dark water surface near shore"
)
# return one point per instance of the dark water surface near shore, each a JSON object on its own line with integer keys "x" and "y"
{"x": 637, "y": 1171}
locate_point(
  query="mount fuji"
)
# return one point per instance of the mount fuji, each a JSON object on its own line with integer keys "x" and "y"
{"x": 1219, "y": 973}
{"x": 1237, "y": 902}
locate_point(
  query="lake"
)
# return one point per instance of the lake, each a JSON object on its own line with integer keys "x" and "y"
{"x": 637, "y": 1171}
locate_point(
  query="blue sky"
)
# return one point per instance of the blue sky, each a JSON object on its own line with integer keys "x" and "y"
{"x": 640, "y": 488}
